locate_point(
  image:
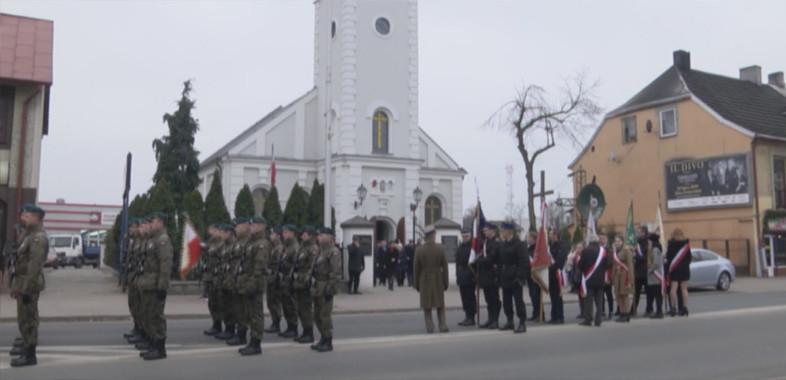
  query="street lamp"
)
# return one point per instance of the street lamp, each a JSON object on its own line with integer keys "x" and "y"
{"x": 417, "y": 195}
{"x": 361, "y": 195}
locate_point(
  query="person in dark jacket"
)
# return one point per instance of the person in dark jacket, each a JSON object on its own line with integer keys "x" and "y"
{"x": 356, "y": 264}
{"x": 514, "y": 272}
{"x": 409, "y": 249}
{"x": 487, "y": 265}
{"x": 603, "y": 241}
{"x": 402, "y": 266}
{"x": 391, "y": 261}
{"x": 532, "y": 286}
{"x": 559, "y": 251}
{"x": 465, "y": 278}
{"x": 678, "y": 255}
{"x": 642, "y": 259}
{"x": 380, "y": 269}
{"x": 593, "y": 264}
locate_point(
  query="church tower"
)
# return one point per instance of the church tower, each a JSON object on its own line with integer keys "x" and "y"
{"x": 366, "y": 67}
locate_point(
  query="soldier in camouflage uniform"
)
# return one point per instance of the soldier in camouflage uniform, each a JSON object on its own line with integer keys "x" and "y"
{"x": 274, "y": 280}
{"x": 28, "y": 282}
{"x": 236, "y": 262}
{"x": 128, "y": 262}
{"x": 154, "y": 283}
{"x": 226, "y": 282}
{"x": 252, "y": 283}
{"x": 142, "y": 247}
{"x": 327, "y": 273}
{"x": 302, "y": 281}
{"x": 211, "y": 262}
{"x": 287, "y": 294}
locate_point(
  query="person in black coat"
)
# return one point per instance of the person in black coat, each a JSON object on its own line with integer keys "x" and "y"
{"x": 355, "y": 264}
{"x": 380, "y": 269}
{"x": 593, "y": 264}
{"x": 409, "y": 249}
{"x": 465, "y": 278}
{"x": 391, "y": 262}
{"x": 514, "y": 272}
{"x": 642, "y": 258}
{"x": 559, "y": 251}
{"x": 678, "y": 256}
{"x": 532, "y": 286}
{"x": 487, "y": 265}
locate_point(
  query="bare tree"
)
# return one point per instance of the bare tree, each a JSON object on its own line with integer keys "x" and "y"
{"x": 535, "y": 118}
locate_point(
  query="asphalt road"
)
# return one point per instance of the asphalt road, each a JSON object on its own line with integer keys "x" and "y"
{"x": 728, "y": 335}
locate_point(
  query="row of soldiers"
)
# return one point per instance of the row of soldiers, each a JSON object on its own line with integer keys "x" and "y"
{"x": 241, "y": 265}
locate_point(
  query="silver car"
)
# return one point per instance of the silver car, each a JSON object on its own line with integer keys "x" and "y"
{"x": 707, "y": 268}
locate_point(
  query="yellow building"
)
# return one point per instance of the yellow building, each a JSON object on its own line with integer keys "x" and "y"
{"x": 711, "y": 148}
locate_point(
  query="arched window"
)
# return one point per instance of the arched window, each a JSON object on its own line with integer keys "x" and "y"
{"x": 259, "y": 195}
{"x": 379, "y": 124}
{"x": 433, "y": 210}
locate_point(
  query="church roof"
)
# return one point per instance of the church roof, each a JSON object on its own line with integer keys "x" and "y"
{"x": 445, "y": 223}
{"x": 357, "y": 222}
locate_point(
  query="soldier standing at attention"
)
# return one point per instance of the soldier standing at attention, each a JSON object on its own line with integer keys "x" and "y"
{"x": 274, "y": 280}
{"x": 465, "y": 279}
{"x": 515, "y": 271}
{"x": 231, "y": 260}
{"x": 227, "y": 233}
{"x": 28, "y": 282}
{"x": 141, "y": 341}
{"x": 488, "y": 279}
{"x": 251, "y": 285}
{"x": 327, "y": 274}
{"x": 209, "y": 275}
{"x": 301, "y": 275}
{"x": 432, "y": 279}
{"x": 128, "y": 267}
{"x": 237, "y": 271}
{"x": 287, "y": 295}
{"x": 154, "y": 284}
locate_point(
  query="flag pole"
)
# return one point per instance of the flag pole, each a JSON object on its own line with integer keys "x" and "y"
{"x": 477, "y": 272}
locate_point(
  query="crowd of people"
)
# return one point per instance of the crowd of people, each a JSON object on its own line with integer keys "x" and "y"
{"x": 394, "y": 262}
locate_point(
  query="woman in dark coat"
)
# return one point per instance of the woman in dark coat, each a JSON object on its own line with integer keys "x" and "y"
{"x": 391, "y": 262}
{"x": 678, "y": 256}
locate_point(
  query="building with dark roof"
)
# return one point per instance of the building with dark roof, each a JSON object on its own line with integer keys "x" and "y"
{"x": 710, "y": 149}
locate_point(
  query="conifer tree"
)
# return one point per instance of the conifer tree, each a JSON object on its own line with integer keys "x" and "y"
{"x": 272, "y": 210}
{"x": 244, "y": 203}
{"x": 316, "y": 204}
{"x": 295, "y": 210}
{"x": 215, "y": 208}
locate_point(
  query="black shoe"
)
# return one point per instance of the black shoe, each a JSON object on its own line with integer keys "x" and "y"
{"x": 316, "y": 345}
{"x": 557, "y": 322}
{"x": 623, "y": 318}
{"x": 610, "y": 317}
{"x": 28, "y": 358}
{"x": 254, "y": 348}
{"x": 307, "y": 337}
{"x": 143, "y": 346}
{"x": 214, "y": 330}
{"x": 585, "y": 323}
{"x": 238, "y": 340}
{"x": 597, "y": 324}
{"x": 134, "y": 331}
{"x": 521, "y": 328}
{"x": 229, "y": 333}
{"x": 291, "y": 332}
{"x": 485, "y": 325}
{"x": 534, "y": 318}
{"x": 18, "y": 342}
{"x": 357, "y": 292}
{"x": 657, "y": 316}
{"x": 158, "y": 352}
{"x": 16, "y": 351}
{"x": 467, "y": 322}
{"x": 274, "y": 327}
{"x": 507, "y": 326}
{"x": 327, "y": 346}
{"x": 672, "y": 313}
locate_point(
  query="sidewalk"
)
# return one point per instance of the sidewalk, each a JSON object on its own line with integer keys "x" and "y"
{"x": 93, "y": 295}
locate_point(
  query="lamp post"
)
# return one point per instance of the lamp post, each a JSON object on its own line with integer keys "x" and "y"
{"x": 361, "y": 191}
{"x": 417, "y": 195}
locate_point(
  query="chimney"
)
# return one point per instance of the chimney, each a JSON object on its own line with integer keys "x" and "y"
{"x": 751, "y": 74}
{"x": 682, "y": 59}
{"x": 776, "y": 79}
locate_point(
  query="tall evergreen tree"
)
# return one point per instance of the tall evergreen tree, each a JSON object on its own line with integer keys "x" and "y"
{"x": 215, "y": 208}
{"x": 161, "y": 200}
{"x": 177, "y": 159}
{"x": 195, "y": 209}
{"x": 316, "y": 203}
{"x": 244, "y": 203}
{"x": 272, "y": 210}
{"x": 296, "y": 206}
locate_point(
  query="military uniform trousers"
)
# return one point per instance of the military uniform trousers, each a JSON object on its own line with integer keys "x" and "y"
{"x": 288, "y": 306}
{"x": 238, "y": 308}
{"x": 274, "y": 301}
{"x": 214, "y": 302}
{"x": 253, "y": 314}
{"x": 27, "y": 319}
{"x": 133, "y": 303}
{"x": 323, "y": 316}
{"x": 226, "y": 306}
{"x": 154, "y": 322}
{"x": 304, "y": 308}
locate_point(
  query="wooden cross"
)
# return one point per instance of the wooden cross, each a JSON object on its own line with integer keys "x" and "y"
{"x": 543, "y": 193}
{"x": 379, "y": 118}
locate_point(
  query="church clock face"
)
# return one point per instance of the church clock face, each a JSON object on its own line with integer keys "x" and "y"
{"x": 382, "y": 25}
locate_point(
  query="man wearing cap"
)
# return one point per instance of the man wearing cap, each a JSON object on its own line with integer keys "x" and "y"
{"x": 28, "y": 282}
{"x": 212, "y": 260}
{"x": 287, "y": 264}
{"x": 327, "y": 273}
{"x": 274, "y": 280}
{"x": 236, "y": 270}
{"x": 465, "y": 278}
{"x": 154, "y": 283}
{"x": 224, "y": 297}
{"x": 356, "y": 264}
{"x": 129, "y": 259}
{"x": 514, "y": 271}
{"x": 432, "y": 279}
{"x": 488, "y": 270}
{"x": 143, "y": 245}
{"x": 251, "y": 284}
{"x": 302, "y": 281}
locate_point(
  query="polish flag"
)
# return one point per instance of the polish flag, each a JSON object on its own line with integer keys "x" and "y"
{"x": 542, "y": 259}
{"x": 192, "y": 247}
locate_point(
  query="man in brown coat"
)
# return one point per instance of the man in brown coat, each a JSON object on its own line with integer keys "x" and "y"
{"x": 431, "y": 279}
{"x": 623, "y": 277}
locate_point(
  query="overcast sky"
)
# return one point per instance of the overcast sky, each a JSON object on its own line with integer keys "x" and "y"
{"x": 119, "y": 66}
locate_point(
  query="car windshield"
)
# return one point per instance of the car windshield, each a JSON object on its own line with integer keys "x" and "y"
{"x": 61, "y": 241}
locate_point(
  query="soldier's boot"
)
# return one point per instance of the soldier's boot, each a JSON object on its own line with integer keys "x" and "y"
{"x": 134, "y": 331}
{"x": 18, "y": 342}
{"x": 27, "y": 358}
{"x": 254, "y": 348}
{"x": 141, "y": 337}
{"x": 291, "y": 331}
{"x": 158, "y": 351}
{"x": 307, "y": 337}
{"x": 316, "y": 345}
{"x": 274, "y": 327}
{"x": 468, "y": 321}
{"x": 144, "y": 345}
{"x": 522, "y": 327}
{"x": 508, "y": 325}
{"x": 443, "y": 327}
{"x": 16, "y": 351}
{"x": 215, "y": 329}
{"x": 239, "y": 339}
{"x": 227, "y": 334}
{"x": 327, "y": 346}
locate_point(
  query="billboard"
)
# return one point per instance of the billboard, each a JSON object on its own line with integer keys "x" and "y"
{"x": 720, "y": 181}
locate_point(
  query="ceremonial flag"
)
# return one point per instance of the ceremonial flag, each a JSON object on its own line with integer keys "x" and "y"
{"x": 478, "y": 238}
{"x": 630, "y": 230}
{"x": 590, "y": 225}
{"x": 273, "y": 167}
{"x": 542, "y": 259}
{"x": 192, "y": 247}
{"x": 659, "y": 273}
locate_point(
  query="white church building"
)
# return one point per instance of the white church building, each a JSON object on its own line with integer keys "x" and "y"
{"x": 366, "y": 75}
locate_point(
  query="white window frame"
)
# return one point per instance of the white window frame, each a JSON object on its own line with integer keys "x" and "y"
{"x": 660, "y": 122}
{"x": 632, "y": 137}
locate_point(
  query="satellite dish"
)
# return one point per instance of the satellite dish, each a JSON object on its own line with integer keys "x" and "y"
{"x": 591, "y": 196}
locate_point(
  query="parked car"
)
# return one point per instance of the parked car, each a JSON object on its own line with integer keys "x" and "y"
{"x": 707, "y": 268}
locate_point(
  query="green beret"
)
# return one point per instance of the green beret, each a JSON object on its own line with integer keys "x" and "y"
{"x": 259, "y": 220}
{"x": 134, "y": 221}
{"x": 227, "y": 227}
{"x": 216, "y": 225}
{"x": 157, "y": 214}
{"x": 241, "y": 220}
{"x": 291, "y": 227}
{"x": 32, "y": 208}
{"x": 277, "y": 230}
{"x": 309, "y": 229}
{"x": 326, "y": 230}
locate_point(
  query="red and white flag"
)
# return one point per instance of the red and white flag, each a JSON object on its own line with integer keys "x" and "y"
{"x": 542, "y": 259}
{"x": 192, "y": 248}
{"x": 478, "y": 239}
{"x": 273, "y": 167}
